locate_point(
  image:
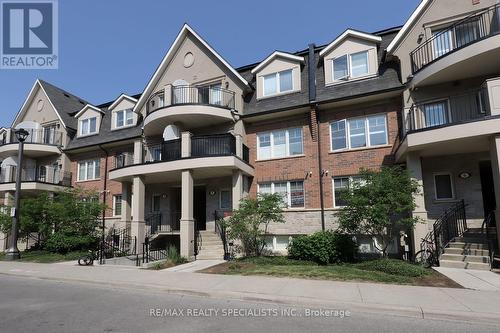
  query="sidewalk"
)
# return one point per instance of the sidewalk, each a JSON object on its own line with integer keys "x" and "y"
{"x": 472, "y": 279}
{"x": 418, "y": 302}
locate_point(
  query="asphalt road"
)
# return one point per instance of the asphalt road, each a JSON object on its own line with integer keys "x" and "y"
{"x": 35, "y": 305}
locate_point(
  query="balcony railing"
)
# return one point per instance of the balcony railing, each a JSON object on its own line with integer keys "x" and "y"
{"x": 448, "y": 110}
{"x": 163, "y": 152}
{"x": 189, "y": 95}
{"x": 46, "y": 136}
{"x": 473, "y": 28}
{"x": 213, "y": 145}
{"x": 40, "y": 174}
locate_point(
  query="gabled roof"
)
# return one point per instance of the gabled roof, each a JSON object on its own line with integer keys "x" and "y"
{"x": 409, "y": 23}
{"x": 186, "y": 29}
{"x": 64, "y": 103}
{"x": 276, "y": 54}
{"x": 350, "y": 33}
{"x": 121, "y": 98}
{"x": 85, "y": 108}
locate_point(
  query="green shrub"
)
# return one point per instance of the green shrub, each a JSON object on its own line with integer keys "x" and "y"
{"x": 63, "y": 243}
{"x": 394, "y": 267}
{"x": 324, "y": 247}
{"x": 174, "y": 256}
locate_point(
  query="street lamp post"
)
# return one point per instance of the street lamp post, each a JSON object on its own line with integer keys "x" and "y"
{"x": 13, "y": 252}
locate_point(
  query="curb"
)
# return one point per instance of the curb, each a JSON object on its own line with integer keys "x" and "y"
{"x": 371, "y": 308}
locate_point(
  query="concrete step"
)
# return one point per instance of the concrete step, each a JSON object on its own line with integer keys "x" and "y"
{"x": 473, "y": 252}
{"x": 477, "y": 240}
{"x": 463, "y": 245}
{"x": 464, "y": 265}
{"x": 466, "y": 258}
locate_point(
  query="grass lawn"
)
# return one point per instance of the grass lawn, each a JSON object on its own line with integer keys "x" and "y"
{"x": 47, "y": 257}
{"x": 381, "y": 270}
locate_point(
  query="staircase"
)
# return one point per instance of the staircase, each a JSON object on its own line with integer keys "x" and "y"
{"x": 210, "y": 246}
{"x": 469, "y": 251}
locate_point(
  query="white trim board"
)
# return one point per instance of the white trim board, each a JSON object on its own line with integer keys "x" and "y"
{"x": 350, "y": 33}
{"x": 120, "y": 98}
{"x": 277, "y": 54}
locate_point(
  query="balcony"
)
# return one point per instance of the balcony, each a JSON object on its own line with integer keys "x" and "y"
{"x": 448, "y": 54}
{"x": 191, "y": 106}
{"x": 40, "y": 178}
{"x": 213, "y": 155}
{"x": 451, "y": 124}
{"x": 38, "y": 143}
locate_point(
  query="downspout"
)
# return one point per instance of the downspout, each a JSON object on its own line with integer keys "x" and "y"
{"x": 104, "y": 197}
{"x": 315, "y": 124}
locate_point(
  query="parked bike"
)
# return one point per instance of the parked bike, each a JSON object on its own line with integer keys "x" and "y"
{"x": 427, "y": 257}
{"x": 88, "y": 259}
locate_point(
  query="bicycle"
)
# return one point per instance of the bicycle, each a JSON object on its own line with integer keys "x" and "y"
{"x": 427, "y": 257}
{"x": 88, "y": 260}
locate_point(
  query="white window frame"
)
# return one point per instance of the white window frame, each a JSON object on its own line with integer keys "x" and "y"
{"x": 452, "y": 184}
{"x": 288, "y": 192}
{"x": 278, "y": 85}
{"x": 349, "y": 67}
{"x": 230, "y": 198}
{"x": 80, "y": 132}
{"x": 436, "y": 101}
{"x": 86, "y": 178}
{"x": 350, "y": 181}
{"x": 367, "y": 133}
{"x": 125, "y": 118}
{"x": 115, "y": 201}
{"x": 287, "y": 143}
{"x": 155, "y": 195}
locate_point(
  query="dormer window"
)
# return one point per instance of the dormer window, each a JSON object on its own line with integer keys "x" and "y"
{"x": 278, "y": 82}
{"x": 124, "y": 118}
{"x": 88, "y": 126}
{"x": 350, "y": 66}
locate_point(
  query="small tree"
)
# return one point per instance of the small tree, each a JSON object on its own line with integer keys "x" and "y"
{"x": 250, "y": 222}
{"x": 378, "y": 205}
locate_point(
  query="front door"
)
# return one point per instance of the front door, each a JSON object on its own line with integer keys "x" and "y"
{"x": 487, "y": 187}
{"x": 200, "y": 207}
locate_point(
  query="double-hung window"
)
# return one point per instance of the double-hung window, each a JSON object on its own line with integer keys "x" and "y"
{"x": 436, "y": 113}
{"x": 350, "y": 66}
{"x": 358, "y": 132}
{"x": 225, "y": 200}
{"x": 341, "y": 185}
{"x": 89, "y": 170}
{"x": 292, "y": 192}
{"x": 279, "y": 82}
{"x": 117, "y": 205}
{"x": 88, "y": 126}
{"x": 124, "y": 118}
{"x": 281, "y": 143}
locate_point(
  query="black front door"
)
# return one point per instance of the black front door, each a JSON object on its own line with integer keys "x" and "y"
{"x": 200, "y": 207}
{"x": 487, "y": 187}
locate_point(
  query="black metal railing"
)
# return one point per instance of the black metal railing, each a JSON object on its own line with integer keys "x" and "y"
{"x": 246, "y": 153}
{"x": 490, "y": 239}
{"x": 220, "y": 229}
{"x": 452, "y": 223}
{"x": 213, "y": 145}
{"x": 48, "y": 136}
{"x": 156, "y": 101}
{"x": 124, "y": 159}
{"x": 208, "y": 95}
{"x": 163, "y": 152}
{"x": 473, "y": 28}
{"x": 150, "y": 254}
{"x": 447, "y": 110}
{"x": 168, "y": 221}
{"x": 40, "y": 174}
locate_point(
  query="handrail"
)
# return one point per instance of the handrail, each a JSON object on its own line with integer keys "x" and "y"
{"x": 220, "y": 229}
{"x": 149, "y": 254}
{"x": 471, "y": 29}
{"x": 41, "y": 174}
{"x": 43, "y": 136}
{"x": 488, "y": 222}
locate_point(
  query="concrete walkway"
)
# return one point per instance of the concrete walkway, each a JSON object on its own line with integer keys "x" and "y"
{"x": 472, "y": 279}
{"x": 195, "y": 266}
{"x": 417, "y": 302}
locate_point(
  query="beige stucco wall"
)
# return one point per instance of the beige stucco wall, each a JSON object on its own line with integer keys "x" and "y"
{"x": 439, "y": 12}
{"x": 46, "y": 115}
{"x": 90, "y": 113}
{"x": 278, "y": 65}
{"x": 205, "y": 69}
{"x": 349, "y": 46}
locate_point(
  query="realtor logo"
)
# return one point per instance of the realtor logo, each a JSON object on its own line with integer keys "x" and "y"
{"x": 29, "y": 35}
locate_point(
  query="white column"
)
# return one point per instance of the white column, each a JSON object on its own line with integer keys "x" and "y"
{"x": 168, "y": 94}
{"x": 186, "y": 144}
{"x": 239, "y": 146}
{"x": 126, "y": 217}
{"x": 8, "y": 201}
{"x": 138, "y": 151}
{"x": 137, "y": 224}
{"x": 237, "y": 191}
{"x": 495, "y": 168}
{"x": 187, "y": 219}
{"x": 414, "y": 165}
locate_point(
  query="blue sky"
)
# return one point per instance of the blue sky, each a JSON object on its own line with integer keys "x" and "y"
{"x": 114, "y": 46}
